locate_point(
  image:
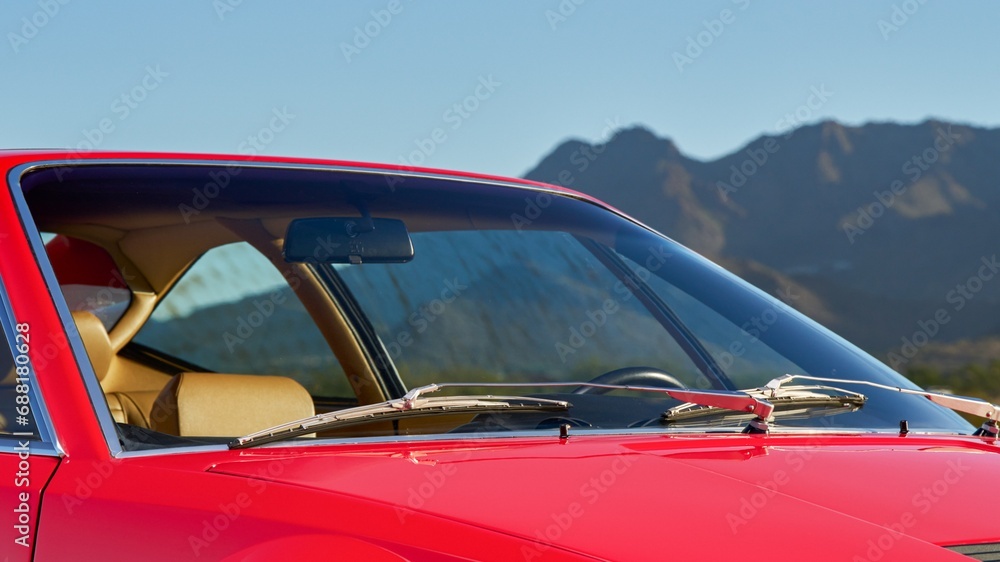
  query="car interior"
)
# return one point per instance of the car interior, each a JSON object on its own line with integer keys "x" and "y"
{"x": 152, "y": 391}
{"x": 121, "y": 243}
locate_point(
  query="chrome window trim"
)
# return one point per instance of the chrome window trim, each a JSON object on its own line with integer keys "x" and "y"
{"x": 47, "y": 442}
{"x": 90, "y": 380}
{"x": 541, "y": 434}
{"x": 37, "y": 448}
{"x": 699, "y": 432}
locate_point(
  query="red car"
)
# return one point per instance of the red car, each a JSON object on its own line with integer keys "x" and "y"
{"x": 232, "y": 358}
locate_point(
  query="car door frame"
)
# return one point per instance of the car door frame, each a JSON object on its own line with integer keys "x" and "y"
{"x": 27, "y": 460}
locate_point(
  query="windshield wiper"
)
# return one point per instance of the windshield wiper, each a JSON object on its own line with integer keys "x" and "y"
{"x": 788, "y": 402}
{"x": 739, "y": 401}
{"x": 760, "y": 402}
{"x": 964, "y": 404}
{"x": 783, "y": 397}
{"x": 409, "y": 405}
{"x": 414, "y": 403}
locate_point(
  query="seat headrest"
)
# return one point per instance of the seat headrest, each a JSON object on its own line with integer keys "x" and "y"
{"x": 224, "y": 405}
{"x": 95, "y": 339}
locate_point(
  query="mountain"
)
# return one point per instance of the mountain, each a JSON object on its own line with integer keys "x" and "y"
{"x": 879, "y": 228}
{"x": 445, "y": 317}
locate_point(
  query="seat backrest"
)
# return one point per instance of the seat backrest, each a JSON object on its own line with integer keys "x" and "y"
{"x": 126, "y": 407}
{"x": 225, "y": 405}
{"x": 131, "y": 407}
{"x": 96, "y": 341}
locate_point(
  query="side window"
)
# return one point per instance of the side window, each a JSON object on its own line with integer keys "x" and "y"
{"x": 233, "y": 312}
{"x": 89, "y": 278}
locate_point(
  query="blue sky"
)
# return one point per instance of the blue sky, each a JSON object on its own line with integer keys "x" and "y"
{"x": 379, "y": 80}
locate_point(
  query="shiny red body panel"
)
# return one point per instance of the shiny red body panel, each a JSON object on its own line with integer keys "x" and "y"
{"x": 594, "y": 497}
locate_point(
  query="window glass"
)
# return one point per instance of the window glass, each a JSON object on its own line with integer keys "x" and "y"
{"x": 89, "y": 278}
{"x": 738, "y": 350}
{"x": 481, "y": 306}
{"x": 233, "y": 312}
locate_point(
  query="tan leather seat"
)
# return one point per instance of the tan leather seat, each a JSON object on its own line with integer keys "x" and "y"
{"x": 224, "y": 405}
{"x": 95, "y": 339}
{"x": 126, "y": 407}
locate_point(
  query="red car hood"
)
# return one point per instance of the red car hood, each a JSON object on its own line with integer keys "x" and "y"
{"x": 654, "y": 498}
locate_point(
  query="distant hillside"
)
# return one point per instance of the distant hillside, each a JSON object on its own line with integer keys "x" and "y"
{"x": 468, "y": 337}
{"x": 879, "y": 226}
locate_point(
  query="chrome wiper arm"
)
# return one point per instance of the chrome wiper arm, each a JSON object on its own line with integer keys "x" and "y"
{"x": 411, "y": 403}
{"x": 964, "y": 404}
{"x": 736, "y": 400}
{"x": 803, "y": 397}
{"x": 807, "y": 397}
{"x": 409, "y": 399}
{"x": 704, "y": 401}
{"x": 415, "y": 401}
{"x": 733, "y": 400}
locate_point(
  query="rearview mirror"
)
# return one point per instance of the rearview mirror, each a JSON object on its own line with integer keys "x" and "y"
{"x": 347, "y": 240}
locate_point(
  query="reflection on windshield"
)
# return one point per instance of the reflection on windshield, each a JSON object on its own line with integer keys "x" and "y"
{"x": 559, "y": 304}
{"x": 497, "y": 306}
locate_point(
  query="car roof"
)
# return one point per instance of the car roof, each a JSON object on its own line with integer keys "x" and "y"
{"x": 17, "y": 156}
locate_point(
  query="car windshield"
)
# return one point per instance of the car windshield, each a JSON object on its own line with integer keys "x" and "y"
{"x": 570, "y": 299}
{"x": 506, "y": 285}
